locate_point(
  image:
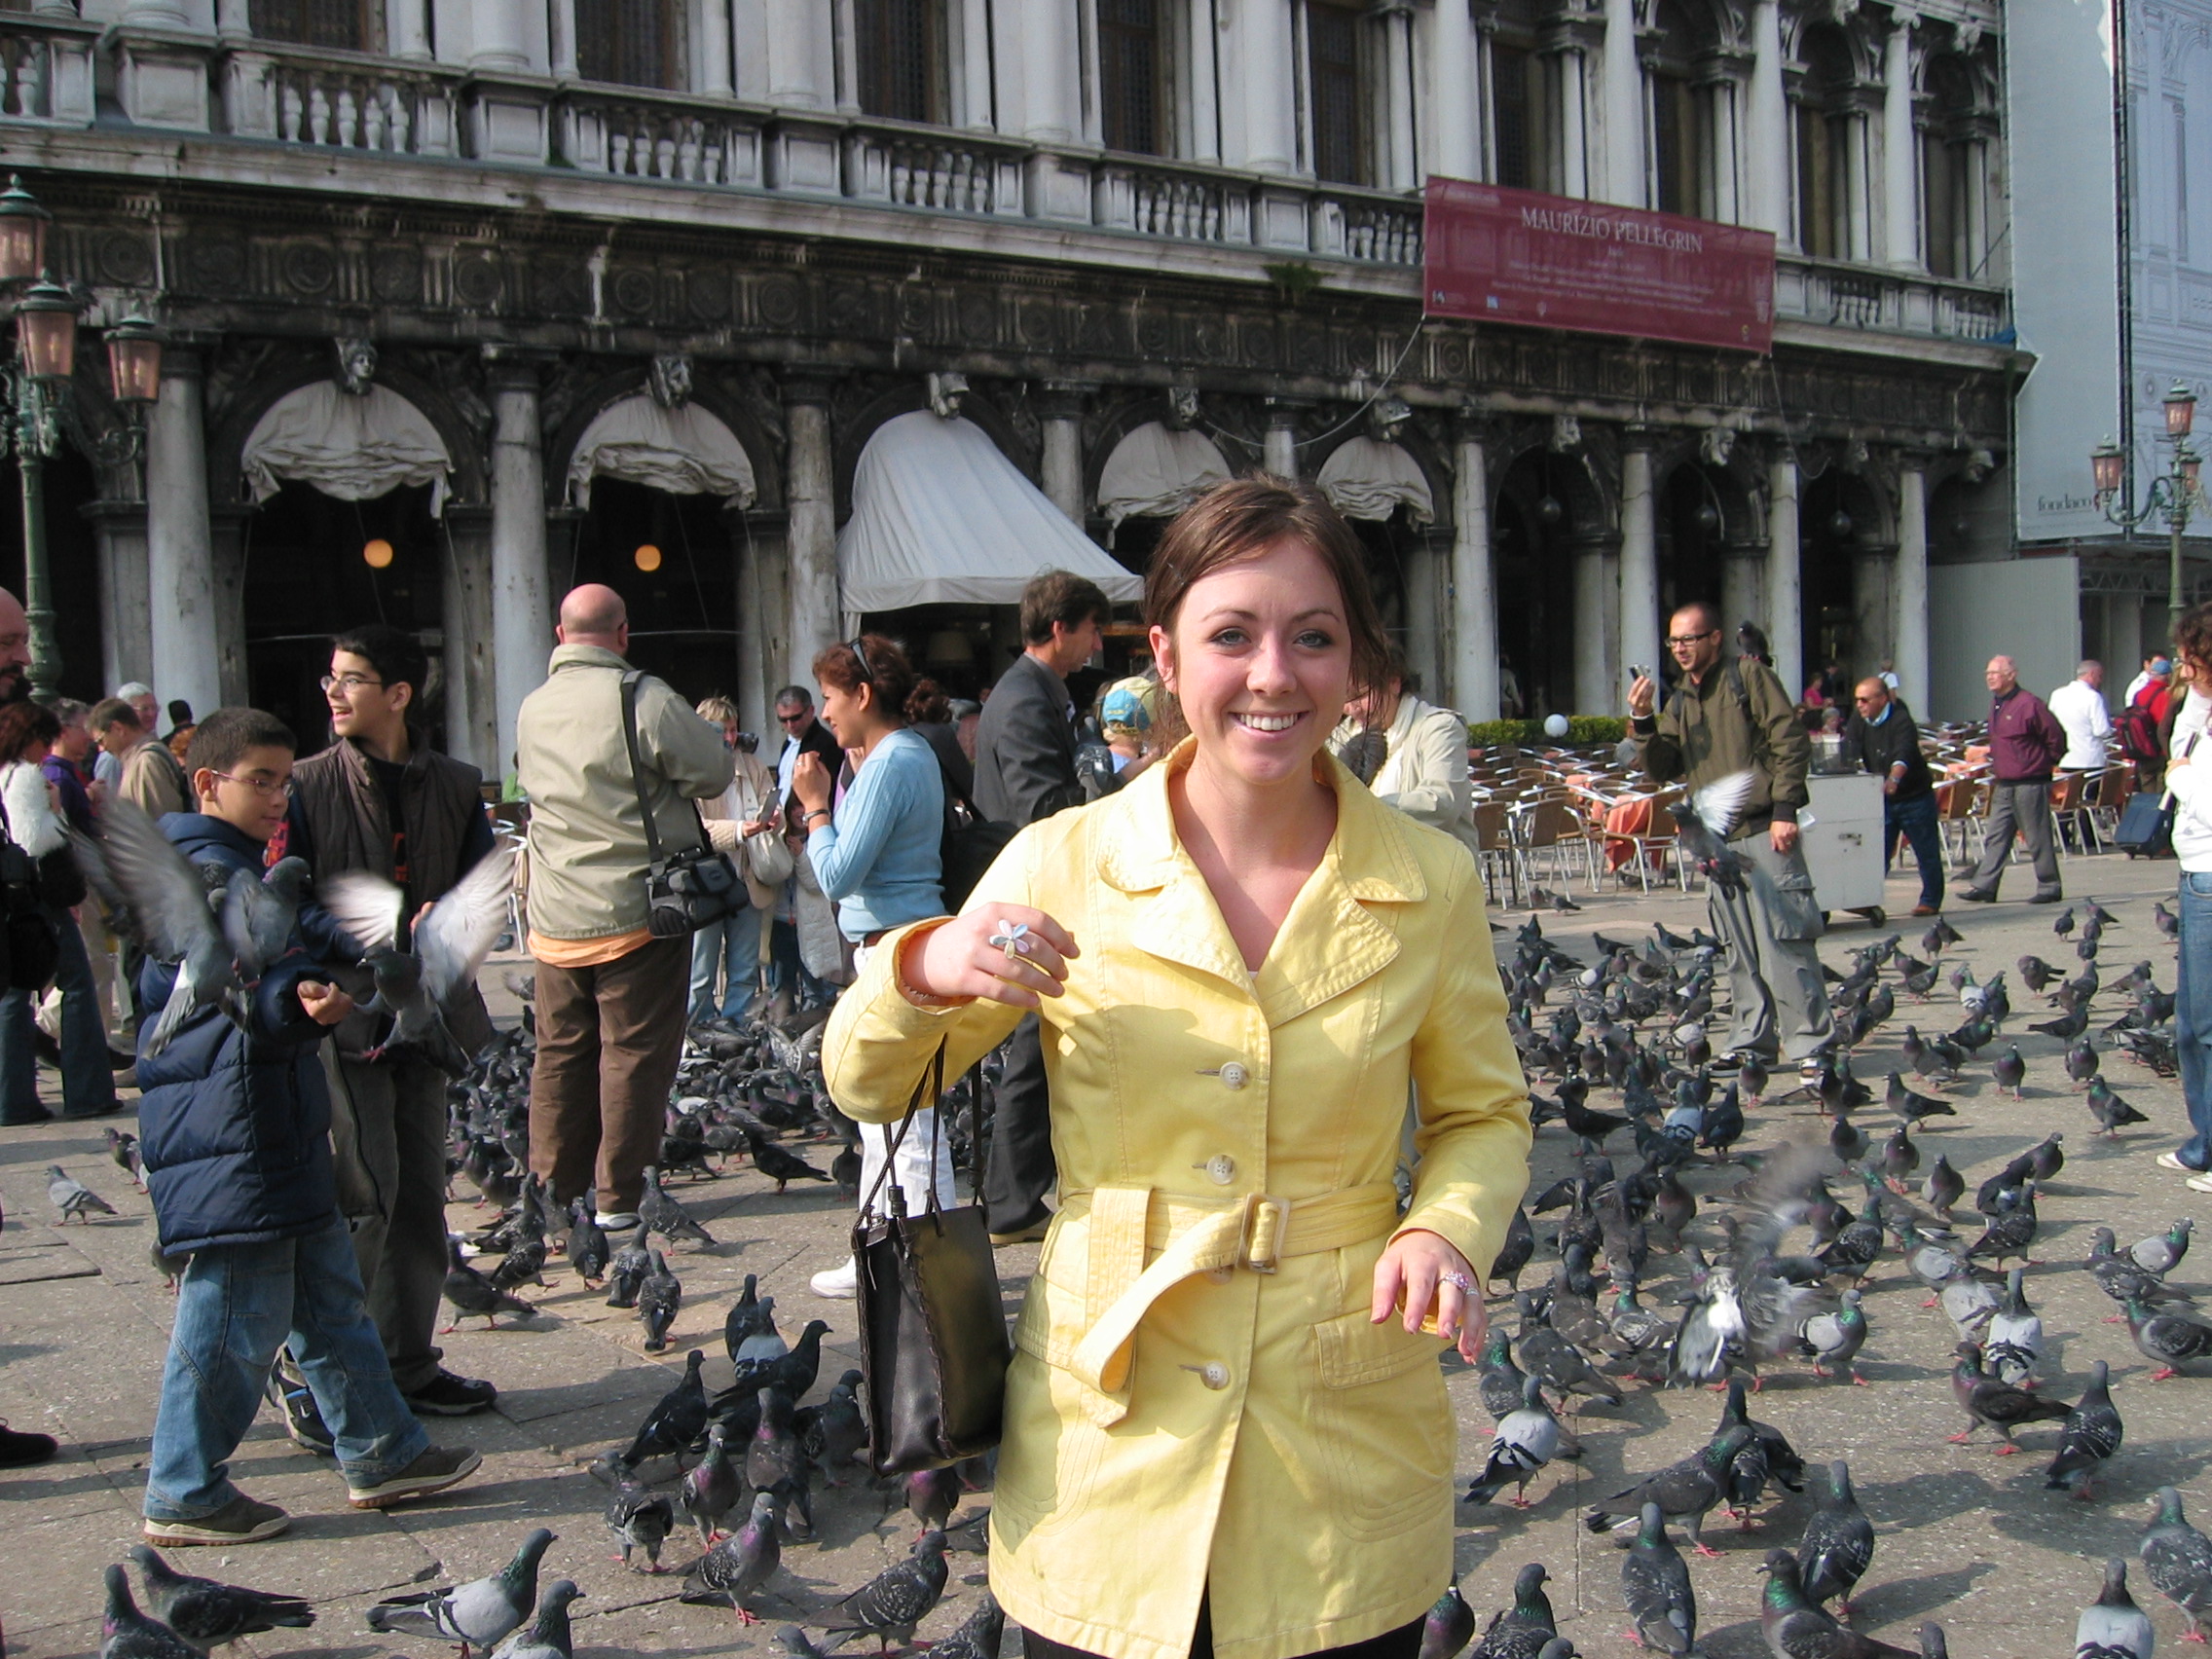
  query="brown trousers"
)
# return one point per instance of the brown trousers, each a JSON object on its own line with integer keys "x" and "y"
{"x": 609, "y": 1038}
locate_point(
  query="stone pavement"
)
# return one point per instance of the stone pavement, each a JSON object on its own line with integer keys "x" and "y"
{"x": 1964, "y": 1536}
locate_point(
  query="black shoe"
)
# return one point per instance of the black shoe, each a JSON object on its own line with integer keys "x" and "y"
{"x": 1976, "y": 895}
{"x": 20, "y": 1450}
{"x": 2045, "y": 898}
{"x": 448, "y": 1395}
{"x": 45, "y": 1047}
{"x": 120, "y": 1061}
{"x": 303, "y": 1418}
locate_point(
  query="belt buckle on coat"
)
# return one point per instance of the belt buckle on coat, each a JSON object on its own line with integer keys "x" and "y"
{"x": 1260, "y": 1241}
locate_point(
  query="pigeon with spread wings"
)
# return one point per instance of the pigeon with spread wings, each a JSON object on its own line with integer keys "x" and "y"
{"x": 1703, "y": 823}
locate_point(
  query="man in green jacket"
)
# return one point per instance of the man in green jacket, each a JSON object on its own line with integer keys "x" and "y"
{"x": 610, "y": 997}
{"x": 1724, "y": 718}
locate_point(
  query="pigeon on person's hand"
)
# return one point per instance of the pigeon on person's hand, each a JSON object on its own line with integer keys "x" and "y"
{"x": 260, "y": 911}
{"x": 128, "y": 1634}
{"x": 2177, "y": 1558}
{"x": 547, "y": 1636}
{"x": 475, "y": 1614}
{"x": 2113, "y": 1626}
{"x": 207, "y": 1613}
{"x": 72, "y": 1197}
{"x": 168, "y": 903}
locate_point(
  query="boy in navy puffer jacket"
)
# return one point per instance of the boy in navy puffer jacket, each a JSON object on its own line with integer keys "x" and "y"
{"x": 234, "y": 1126}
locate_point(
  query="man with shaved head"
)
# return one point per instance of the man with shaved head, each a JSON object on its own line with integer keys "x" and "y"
{"x": 1884, "y": 738}
{"x": 610, "y": 997}
{"x": 2025, "y": 743}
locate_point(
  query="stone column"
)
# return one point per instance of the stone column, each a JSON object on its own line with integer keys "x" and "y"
{"x": 1623, "y": 171}
{"x": 1784, "y": 626}
{"x": 974, "y": 58}
{"x": 233, "y": 19}
{"x": 226, "y": 540}
{"x": 1455, "y": 95}
{"x": 713, "y": 47}
{"x": 1593, "y": 676}
{"x": 1051, "y": 103}
{"x": 472, "y": 624}
{"x": 1474, "y": 582}
{"x": 127, "y": 616}
{"x": 1573, "y": 124}
{"x": 561, "y": 37}
{"x": 1873, "y": 597}
{"x": 1909, "y": 632}
{"x": 1742, "y": 585}
{"x": 1403, "y": 150}
{"x": 180, "y": 554}
{"x": 406, "y": 27}
{"x": 1767, "y": 202}
{"x": 157, "y": 15}
{"x": 1059, "y": 412}
{"x": 1901, "y": 156}
{"x": 1205, "y": 89}
{"x": 500, "y": 38}
{"x": 800, "y": 53}
{"x": 1639, "y": 557}
{"x": 1265, "y": 50}
{"x": 757, "y": 537}
{"x": 815, "y": 618}
{"x": 522, "y": 599}
{"x": 1280, "y": 451}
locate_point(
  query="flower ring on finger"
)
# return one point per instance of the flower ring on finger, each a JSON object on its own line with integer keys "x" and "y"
{"x": 1009, "y": 936}
{"x": 1458, "y": 1281}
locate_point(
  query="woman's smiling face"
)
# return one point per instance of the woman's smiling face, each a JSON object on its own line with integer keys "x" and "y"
{"x": 1258, "y": 656}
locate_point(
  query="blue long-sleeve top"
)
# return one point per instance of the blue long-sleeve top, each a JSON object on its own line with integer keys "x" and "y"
{"x": 878, "y": 859}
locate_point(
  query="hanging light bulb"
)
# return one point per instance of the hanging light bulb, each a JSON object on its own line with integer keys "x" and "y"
{"x": 1707, "y": 517}
{"x": 377, "y": 555}
{"x": 1549, "y": 510}
{"x": 647, "y": 558}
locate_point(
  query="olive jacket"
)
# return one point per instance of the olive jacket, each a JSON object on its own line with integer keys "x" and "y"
{"x": 1176, "y": 1421}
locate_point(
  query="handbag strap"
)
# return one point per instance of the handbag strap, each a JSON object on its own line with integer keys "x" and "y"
{"x": 929, "y": 1087}
{"x": 630, "y": 679}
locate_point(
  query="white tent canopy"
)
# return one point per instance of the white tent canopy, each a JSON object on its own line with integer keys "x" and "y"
{"x": 686, "y": 451}
{"x": 1156, "y": 473}
{"x": 940, "y": 517}
{"x": 1366, "y": 478}
{"x": 354, "y": 446}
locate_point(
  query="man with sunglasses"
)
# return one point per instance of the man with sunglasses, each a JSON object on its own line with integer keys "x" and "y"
{"x": 1884, "y": 738}
{"x": 1727, "y": 717}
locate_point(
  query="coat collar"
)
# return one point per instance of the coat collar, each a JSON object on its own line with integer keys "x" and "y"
{"x": 585, "y": 656}
{"x": 1330, "y": 941}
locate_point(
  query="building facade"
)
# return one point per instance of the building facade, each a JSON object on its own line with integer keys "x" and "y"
{"x": 474, "y": 299}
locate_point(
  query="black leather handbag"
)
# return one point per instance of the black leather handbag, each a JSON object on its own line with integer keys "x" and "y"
{"x": 933, "y": 1328}
{"x": 689, "y": 890}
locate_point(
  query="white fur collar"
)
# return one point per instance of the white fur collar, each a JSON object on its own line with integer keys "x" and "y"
{"x": 32, "y": 822}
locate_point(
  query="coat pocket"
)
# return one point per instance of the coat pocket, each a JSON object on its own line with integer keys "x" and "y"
{"x": 1796, "y": 910}
{"x": 1051, "y": 1449}
{"x": 1383, "y": 1433}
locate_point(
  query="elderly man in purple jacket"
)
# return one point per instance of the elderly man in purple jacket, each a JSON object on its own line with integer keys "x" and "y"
{"x": 2025, "y": 743}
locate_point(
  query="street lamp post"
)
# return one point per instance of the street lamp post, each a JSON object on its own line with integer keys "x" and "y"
{"x": 30, "y": 391}
{"x": 2173, "y": 494}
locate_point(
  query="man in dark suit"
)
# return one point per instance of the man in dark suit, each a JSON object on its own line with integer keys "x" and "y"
{"x": 1025, "y": 771}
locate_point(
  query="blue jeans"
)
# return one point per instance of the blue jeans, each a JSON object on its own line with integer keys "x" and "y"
{"x": 2193, "y": 1014}
{"x": 237, "y": 1304}
{"x": 1915, "y": 820}
{"x": 88, "y": 1083}
{"x": 733, "y": 948}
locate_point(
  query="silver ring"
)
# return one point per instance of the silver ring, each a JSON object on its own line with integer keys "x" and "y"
{"x": 1461, "y": 1283}
{"x": 1008, "y": 938}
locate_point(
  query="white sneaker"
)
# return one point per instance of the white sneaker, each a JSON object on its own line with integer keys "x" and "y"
{"x": 836, "y": 1283}
{"x": 2172, "y": 1160}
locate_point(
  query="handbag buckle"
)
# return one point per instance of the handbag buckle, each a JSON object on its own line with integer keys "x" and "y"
{"x": 1260, "y": 1245}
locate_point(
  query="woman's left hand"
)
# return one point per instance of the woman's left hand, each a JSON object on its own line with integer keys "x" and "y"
{"x": 1426, "y": 1271}
{"x": 810, "y": 781}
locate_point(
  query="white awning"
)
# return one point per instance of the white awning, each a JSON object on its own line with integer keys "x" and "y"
{"x": 940, "y": 517}
{"x": 1156, "y": 473}
{"x": 686, "y": 451}
{"x": 1366, "y": 478}
{"x": 355, "y": 447}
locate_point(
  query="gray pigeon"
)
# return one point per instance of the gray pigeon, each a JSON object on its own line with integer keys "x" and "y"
{"x": 978, "y": 1635}
{"x": 1833, "y": 1339}
{"x": 1526, "y": 1441}
{"x": 259, "y": 913}
{"x": 2177, "y": 1558}
{"x": 130, "y": 1633}
{"x": 712, "y": 1487}
{"x": 2089, "y": 1438}
{"x": 640, "y": 1520}
{"x": 475, "y": 1614}
{"x": 547, "y": 1636}
{"x": 889, "y": 1606}
{"x": 1838, "y": 1544}
{"x": 667, "y": 1217}
{"x": 1655, "y": 1584}
{"x": 72, "y": 1197}
{"x": 1702, "y": 825}
{"x": 2113, "y": 1626}
{"x": 2014, "y": 1347}
{"x": 1685, "y": 1491}
{"x": 740, "y": 1564}
{"x": 208, "y": 1614}
{"x": 169, "y": 902}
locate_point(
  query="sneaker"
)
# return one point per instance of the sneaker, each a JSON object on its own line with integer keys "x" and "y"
{"x": 622, "y": 1221}
{"x": 2199, "y": 1183}
{"x": 20, "y": 1450}
{"x": 241, "y": 1521}
{"x": 2172, "y": 1160}
{"x": 448, "y": 1395}
{"x": 303, "y": 1418}
{"x": 436, "y": 1469}
{"x": 836, "y": 1283}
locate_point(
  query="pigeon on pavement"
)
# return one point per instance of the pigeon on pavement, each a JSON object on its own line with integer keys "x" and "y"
{"x": 475, "y": 1614}
{"x": 640, "y": 1520}
{"x": 1450, "y": 1624}
{"x": 130, "y": 1633}
{"x": 475, "y": 1297}
{"x": 735, "y": 1569}
{"x": 2113, "y": 1626}
{"x": 2177, "y": 1558}
{"x": 1838, "y": 1543}
{"x": 677, "y": 1417}
{"x": 206, "y": 1614}
{"x": 889, "y": 1606}
{"x": 547, "y": 1636}
{"x": 665, "y": 1215}
{"x": 661, "y": 1294}
{"x": 72, "y": 1197}
{"x": 1796, "y": 1629}
{"x": 711, "y": 1486}
{"x": 1527, "y": 1439}
{"x": 1655, "y": 1584}
{"x": 1985, "y": 1399}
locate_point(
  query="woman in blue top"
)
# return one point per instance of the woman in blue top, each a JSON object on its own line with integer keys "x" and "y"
{"x": 876, "y": 855}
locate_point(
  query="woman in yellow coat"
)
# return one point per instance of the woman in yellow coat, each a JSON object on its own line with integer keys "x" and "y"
{"x": 1225, "y": 1429}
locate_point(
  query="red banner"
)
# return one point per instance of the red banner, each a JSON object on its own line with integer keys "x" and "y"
{"x": 1500, "y": 255}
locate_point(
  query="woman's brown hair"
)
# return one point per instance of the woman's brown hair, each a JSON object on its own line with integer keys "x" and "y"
{"x": 23, "y": 724}
{"x": 1241, "y": 519}
{"x": 886, "y": 669}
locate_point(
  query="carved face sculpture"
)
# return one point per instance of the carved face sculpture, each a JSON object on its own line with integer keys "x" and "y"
{"x": 1183, "y": 407}
{"x": 670, "y": 380}
{"x": 356, "y": 365}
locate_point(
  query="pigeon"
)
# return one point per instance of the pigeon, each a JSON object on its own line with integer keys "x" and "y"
{"x": 677, "y": 1417}
{"x": 1526, "y": 1441}
{"x": 474, "y": 1296}
{"x": 475, "y": 1614}
{"x": 419, "y": 967}
{"x": 123, "y": 1150}
{"x": 740, "y": 1564}
{"x": 979, "y": 1634}
{"x": 547, "y": 1636}
{"x": 1526, "y": 1629}
{"x": 2014, "y": 1343}
{"x": 779, "y": 1165}
{"x": 1796, "y": 1629}
{"x": 639, "y": 1521}
{"x": 2121, "y": 1278}
{"x": 2168, "y": 922}
{"x": 1685, "y": 1491}
{"x": 747, "y": 1320}
{"x": 627, "y": 1272}
{"x": 1702, "y": 824}
{"x": 665, "y": 1215}
{"x": 2162, "y": 1252}
{"x": 774, "y": 1461}
{"x": 2112, "y": 1112}
{"x": 1941, "y": 1187}
{"x": 587, "y": 1248}
{"x": 2172, "y": 1340}
{"x": 660, "y": 1293}
{"x": 2082, "y": 1061}
{"x": 838, "y": 1430}
{"x": 2091, "y": 1437}
{"x": 2010, "y": 1071}
{"x": 1900, "y": 1158}
{"x": 2066, "y": 1027}
{"x": 2113, "y": 1626}
{"x": 130, "y": 1633}
{"x": 1514, "y": 1254}
{"x": 2177, "y": 1558}
{"x": 208, "y": 1614}
{"x": 932, "y": 1495}
{"x": 1835, "y": 1339}
{"x": 1655, "y": 1585}
{"x": 1912, "y": 1107}
{"x": 1984, "y": 1399}
{"x": 1450, "y": 1624}
{"x": 1838, "y": 1543}
{"x": 711, "y": 1486}
{"x": 72, "y": 1197}
{"x": 889, "y": 1606}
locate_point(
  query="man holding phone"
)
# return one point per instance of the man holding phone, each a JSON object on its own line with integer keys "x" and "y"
{"x": 1724, "y": 718}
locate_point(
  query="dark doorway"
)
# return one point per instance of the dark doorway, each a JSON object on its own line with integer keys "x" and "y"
{"x": 1388, "y": 542}
{"x": 683, "y": 609}
{"x": 1533, "y": 553}
{"x": 72, "y": 563}
{"x": 307, "y": 575}
{"x": 1830, "y": 526}
{"x": 1691, "y": 527}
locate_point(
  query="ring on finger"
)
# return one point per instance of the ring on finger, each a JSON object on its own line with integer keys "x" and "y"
{"x": 1458, "y": 1281}
{"x": 1009, "y": 937}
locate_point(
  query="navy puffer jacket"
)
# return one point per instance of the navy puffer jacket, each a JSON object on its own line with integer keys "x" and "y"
{"x": 234, "y": 1126}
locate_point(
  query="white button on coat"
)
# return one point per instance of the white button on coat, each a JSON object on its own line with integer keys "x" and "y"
{"x": 1215, "y": 1375}
{"x": 1222, "y": 1168}
{"x": 1235, "y": 1076}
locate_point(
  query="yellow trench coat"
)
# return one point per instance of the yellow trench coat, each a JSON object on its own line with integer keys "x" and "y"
{"x": 1178, "y": 1422}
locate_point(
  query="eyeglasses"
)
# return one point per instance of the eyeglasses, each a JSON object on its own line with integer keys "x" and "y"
{"x": 268, "y": 789}
{"x": 348, "y": 682}
{"x": 868, "y": 674}
{"x": 799, "y": 718}
{"x": 1690, "y": 639}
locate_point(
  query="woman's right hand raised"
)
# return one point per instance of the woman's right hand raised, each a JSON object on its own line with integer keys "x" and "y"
{"x": 958, "y": 958}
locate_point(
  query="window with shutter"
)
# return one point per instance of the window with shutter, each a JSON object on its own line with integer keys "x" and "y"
{"x": 901, "y": 45}
{"x": 343, "y": 24}
{"x": 1131, "y": 82}
{"x": 630, "y": 43}
{"x": 1682, "y": 160}
{"x": 1509, "y": 72}
{"x": 1333, "y": 82}
{"x": 1823, "y": 146}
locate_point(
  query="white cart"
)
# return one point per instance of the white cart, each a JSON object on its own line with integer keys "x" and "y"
{"x": 1843, "y": 842}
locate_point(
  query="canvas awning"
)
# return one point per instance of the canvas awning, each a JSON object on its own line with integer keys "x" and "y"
{"x": 1156, "y": 473}
{"x": 941, "y": 517}
{"x": 1365, "y": 478}
{"x": 686, "y": 451}
{"x": 354, "y": 446}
